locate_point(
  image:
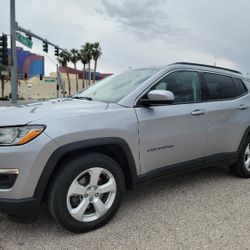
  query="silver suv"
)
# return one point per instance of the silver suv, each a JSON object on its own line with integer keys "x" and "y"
{"x": 80, "y": 154}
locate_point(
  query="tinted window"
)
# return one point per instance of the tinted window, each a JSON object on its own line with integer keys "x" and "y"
{"x": 241, "y": 87}
{"x": 220, "y": 87}
{"x": 184, "y": 84}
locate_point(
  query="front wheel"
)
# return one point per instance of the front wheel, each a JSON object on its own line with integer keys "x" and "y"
{"x": 87, "y": 193}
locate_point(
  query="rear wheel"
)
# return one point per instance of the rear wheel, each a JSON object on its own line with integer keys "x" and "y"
{"x": 242, "y": 167}
{"x": 87, "y": 193}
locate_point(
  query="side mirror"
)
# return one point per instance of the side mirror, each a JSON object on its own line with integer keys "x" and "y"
{"x": 158, "y": 97}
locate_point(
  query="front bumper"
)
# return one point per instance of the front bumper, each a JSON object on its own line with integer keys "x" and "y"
{"x": 23, "y": 208}
{"x": 29, "y": 160}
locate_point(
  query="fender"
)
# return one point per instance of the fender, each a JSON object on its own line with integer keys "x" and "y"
{"x": 79, "y": 145}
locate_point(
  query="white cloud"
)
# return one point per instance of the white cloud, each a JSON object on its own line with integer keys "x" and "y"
{"x": 142, "y": 32}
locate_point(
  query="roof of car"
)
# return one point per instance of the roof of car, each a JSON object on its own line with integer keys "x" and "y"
{"x": 211, "y": 68}
{"x": 208, "y": 67}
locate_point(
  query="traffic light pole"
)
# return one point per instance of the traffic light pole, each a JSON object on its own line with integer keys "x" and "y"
{"x": 13, "y": 27}
{"x": 44, "y": 40}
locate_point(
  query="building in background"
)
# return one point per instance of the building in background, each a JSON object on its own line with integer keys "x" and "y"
{"x": 33, "y": 84}
{"x": 69, "y": 70}
{"x": 29, "y": 64}
{"x": 35, "y": 88}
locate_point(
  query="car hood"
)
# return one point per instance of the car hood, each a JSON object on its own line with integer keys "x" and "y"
{"x": 23, "y": 114}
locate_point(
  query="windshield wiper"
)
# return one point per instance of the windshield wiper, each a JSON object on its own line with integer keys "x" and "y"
{"x": 82, "y": 98}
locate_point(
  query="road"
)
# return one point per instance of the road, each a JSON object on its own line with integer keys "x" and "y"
{"x": 205, "y": 209}
{"x": 7, "y": 103}
{"x": 4, "y": 103}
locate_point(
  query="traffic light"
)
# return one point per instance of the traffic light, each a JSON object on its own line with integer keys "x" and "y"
{"x": 45, "y": 47}
{"x": 4, "y": 50}
{"x": 25, "y": 76}
{"x": 56, "y": 51}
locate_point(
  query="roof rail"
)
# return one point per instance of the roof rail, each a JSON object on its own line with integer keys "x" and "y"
{"x": 209, "y": 66}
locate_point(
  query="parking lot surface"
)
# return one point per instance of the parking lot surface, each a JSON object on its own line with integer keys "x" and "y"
{"x": 205, "y": 209}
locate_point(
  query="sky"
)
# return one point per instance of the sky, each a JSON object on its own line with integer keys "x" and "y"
{"x": 138, "y": 33}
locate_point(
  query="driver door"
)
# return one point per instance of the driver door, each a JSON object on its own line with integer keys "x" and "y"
{"x": 177, "y": 133}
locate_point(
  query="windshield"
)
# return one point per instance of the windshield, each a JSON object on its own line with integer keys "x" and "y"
{"x": 114, "y": 88}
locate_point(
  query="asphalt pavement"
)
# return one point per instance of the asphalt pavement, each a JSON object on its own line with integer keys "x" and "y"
{"x": 8, "y": 103}
{"x": 204, "y": 209}
{"x": 4, "y": 103}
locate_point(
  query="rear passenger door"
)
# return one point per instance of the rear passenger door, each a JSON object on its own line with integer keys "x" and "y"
{"x": 226, "y": 109}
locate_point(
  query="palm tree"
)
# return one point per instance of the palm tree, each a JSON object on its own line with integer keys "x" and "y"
{"x": 3, "y": 78}
{"x": 96, "y": 54}
{"x": 63, "y": 60}
{"x": 74, "y": 58}
{"x": 88, "y": 52}
{"x": 84, "y": 60}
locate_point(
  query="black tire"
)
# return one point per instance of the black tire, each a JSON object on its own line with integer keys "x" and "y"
{"x": 57, "y": 193}
{"x": 239, "y": 169}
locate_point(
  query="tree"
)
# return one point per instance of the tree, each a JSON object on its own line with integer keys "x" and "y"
{"x": 4, "y": 78}
{"x": 63, "y": 60}
{"x": 84, "y": 60}
{"x": 87, "y": 48}
{"x": 96, "y": 54}
{"x": 74, "y": 58}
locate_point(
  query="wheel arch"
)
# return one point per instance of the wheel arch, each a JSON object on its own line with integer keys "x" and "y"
{"x": 243, "y": 139}
{"x": 116, "y": 148}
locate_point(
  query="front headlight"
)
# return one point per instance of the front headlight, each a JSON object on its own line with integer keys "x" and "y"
{"x": 11, "y": 136}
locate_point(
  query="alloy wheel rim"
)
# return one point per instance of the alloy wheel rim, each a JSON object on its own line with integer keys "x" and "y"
{"x": 91, "y": 194}
{"x": 247, "y": 157}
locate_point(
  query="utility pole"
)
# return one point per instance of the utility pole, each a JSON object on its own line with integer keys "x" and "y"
{"x": 13, "y": 27}
{"x": 59, "y": 82}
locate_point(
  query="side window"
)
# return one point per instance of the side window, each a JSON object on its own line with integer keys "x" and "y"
{"x": 220, "y": 87}
{"x": 185, "y": 86}
{"x": 241, "y": 87}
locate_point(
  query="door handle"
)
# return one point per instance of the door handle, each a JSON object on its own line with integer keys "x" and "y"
{"x": 242, "y": 107}
{"x": 199, "y": 112}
